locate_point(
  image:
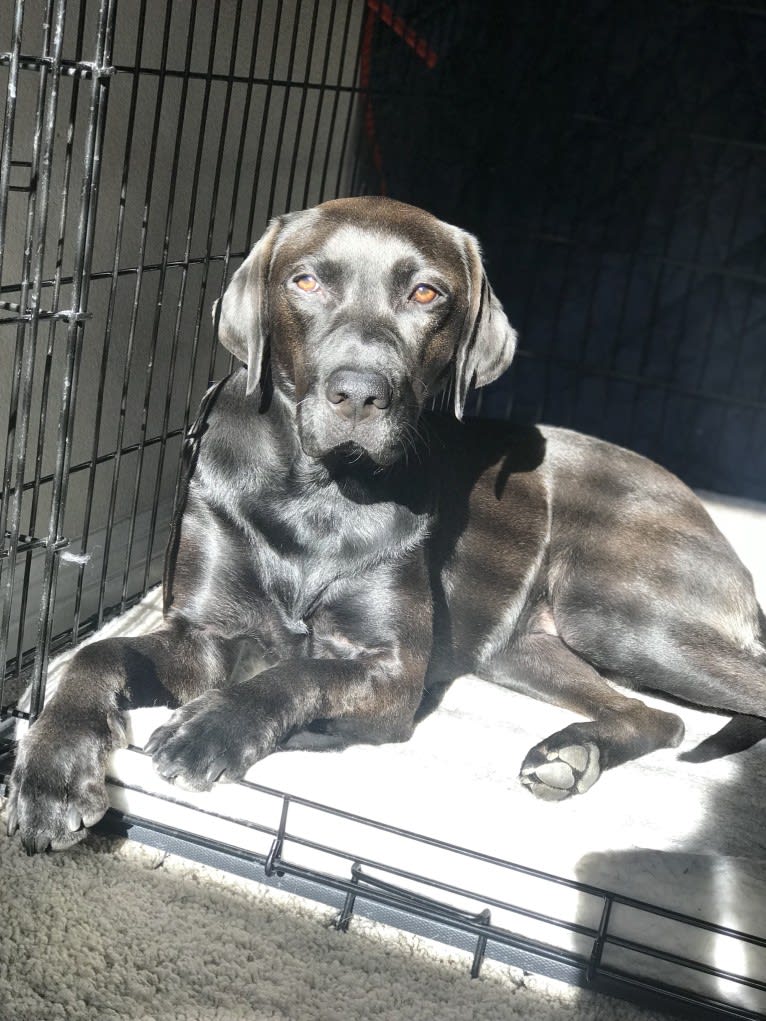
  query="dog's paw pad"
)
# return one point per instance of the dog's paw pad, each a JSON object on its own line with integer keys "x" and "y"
{"x": 556, "y": 774}
{"x": 553, "y": 774}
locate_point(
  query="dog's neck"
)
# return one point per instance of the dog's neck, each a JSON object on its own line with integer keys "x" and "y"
{"x": 355, "y": 475}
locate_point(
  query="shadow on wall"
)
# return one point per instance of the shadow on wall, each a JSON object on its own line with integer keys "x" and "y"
{"x": 611, "y": 161}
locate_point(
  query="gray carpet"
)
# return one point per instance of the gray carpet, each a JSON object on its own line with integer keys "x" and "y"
{"x": 111, "y": 930}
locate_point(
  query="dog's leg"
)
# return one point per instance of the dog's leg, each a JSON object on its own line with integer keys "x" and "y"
{"x": 362, "y": 682}
{"x": 219, "y": 735}
{"x": 618, "y": 728}
{"x": 57, "y": 787}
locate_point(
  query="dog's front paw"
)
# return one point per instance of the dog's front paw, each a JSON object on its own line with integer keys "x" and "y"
{"x": 560, "y": 767}
{"x": 212, "y": 738}
{"x": 57, "y": 789}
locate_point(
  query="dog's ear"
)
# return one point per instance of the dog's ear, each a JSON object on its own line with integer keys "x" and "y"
{"x": 243, "y": 325}
{"x": 488, "y": 340}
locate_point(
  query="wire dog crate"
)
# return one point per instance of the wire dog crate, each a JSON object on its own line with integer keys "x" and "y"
{"x": 144, "y": 147}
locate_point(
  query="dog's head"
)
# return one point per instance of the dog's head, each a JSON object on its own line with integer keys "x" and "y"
{"x": 365, "y": 308}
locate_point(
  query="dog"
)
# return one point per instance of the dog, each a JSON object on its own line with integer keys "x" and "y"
{"x": 369, "y": 550}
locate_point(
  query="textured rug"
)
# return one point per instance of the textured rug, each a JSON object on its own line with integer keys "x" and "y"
{"x": 109, "y": 930}
{"x": 685, "y": 835}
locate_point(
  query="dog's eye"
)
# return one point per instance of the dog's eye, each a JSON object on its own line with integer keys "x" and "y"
{"x": 424, "y": 295}
{"x": 306, "y": 282}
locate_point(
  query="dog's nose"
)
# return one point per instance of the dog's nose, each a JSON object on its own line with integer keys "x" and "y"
{"x": 356, "y": 394}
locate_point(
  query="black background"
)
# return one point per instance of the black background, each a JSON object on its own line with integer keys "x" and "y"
{"x": 611, "y": 157}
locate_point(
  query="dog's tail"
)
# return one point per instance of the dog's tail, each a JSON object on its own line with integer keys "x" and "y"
{"x": 739, "y": 734}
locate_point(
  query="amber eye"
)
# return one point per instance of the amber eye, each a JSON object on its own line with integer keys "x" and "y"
{"x": 424, "y": 295}
{"x": 306, "y": 282}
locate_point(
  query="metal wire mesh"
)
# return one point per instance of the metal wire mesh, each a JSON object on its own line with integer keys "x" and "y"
{"x": 567, "y": 929}
{"x": 144, "y": 148}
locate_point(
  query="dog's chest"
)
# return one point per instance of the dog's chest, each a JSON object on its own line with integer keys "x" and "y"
{"x": 308, "y": 550}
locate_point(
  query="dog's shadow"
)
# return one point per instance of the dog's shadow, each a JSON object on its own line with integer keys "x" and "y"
{"x": 727, "y": 891}
{"x": 511, "y": 452}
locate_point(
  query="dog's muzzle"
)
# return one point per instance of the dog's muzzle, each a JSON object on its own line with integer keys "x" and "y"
{"x": 355, "y": 410}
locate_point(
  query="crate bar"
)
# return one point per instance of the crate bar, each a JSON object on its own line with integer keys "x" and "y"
{"x": 80, "y": 292}
{"x": 526, "y": 870}
{"x": 256, "y": 174}
{"x": 264, "y": 124}
{"x": 84, "y": 69}
{"x": 407, "y": 901}
{"x": 56, "y": 316}
{"x": 684, "y": 962}
{"x": 6, "y": 162}
{"x": 94, "y": 457}
{"x": 654, "y": 382}
{"x": 24, "y": 545}
{"x": 44, "y": 314}
{"x": 702, "y": 221}
{"x": 379, "y": 892}
{"x": 26, "y": 334}
{"x": 465, "y": 852}
{"x": 224, "y": 123}
{"x": 261, "y": 138}
{"x": 163, "y": 278}
{"x": 501, "y": 945}
{"x": 319, "y": 106}
{"x": 114, "y": 276}
{"x": 302, "y": 106}
{"x": 275, "y": 863}
{"x": 283, "y": 114}
{"x": 123, "y": 271}
{"x": 351, "y": 112}
{"x": 209, "y": 258}
{"x": 66, "y": 68}
{"x": 65, "y": 638}
{"x": 165, "y": 255}
{"x": 602, "y": 249}
{"x": 111, "y": 455}
{"x": 654, "y": 993}
{"x": 336, "y": 99}
{"x": 148, "y": 194}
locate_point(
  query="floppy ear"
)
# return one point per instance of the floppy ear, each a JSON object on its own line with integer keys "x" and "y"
{"x": 488, "y": 341}
{"x": 243, "y": 326}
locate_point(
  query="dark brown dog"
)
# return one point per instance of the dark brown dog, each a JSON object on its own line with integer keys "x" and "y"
{"x": 371, "y": 552}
